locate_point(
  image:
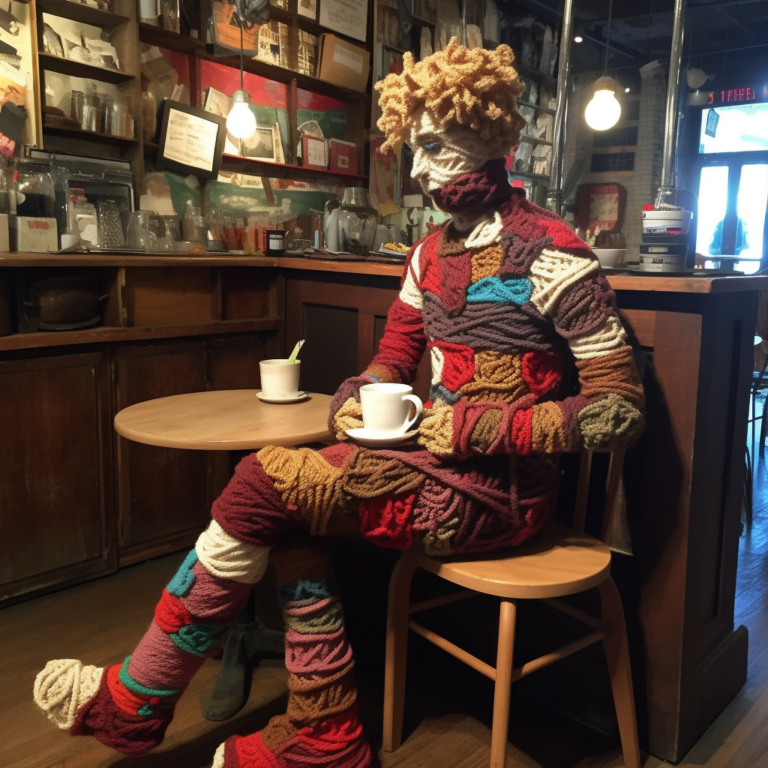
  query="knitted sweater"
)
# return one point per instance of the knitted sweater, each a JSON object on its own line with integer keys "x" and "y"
{"x": 502, "y": 308}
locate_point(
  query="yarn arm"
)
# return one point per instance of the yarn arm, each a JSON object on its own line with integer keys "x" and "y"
{"x": 608, "y": 410}
{"x": 404, "y": 341}
{"x": 400, "y": 351}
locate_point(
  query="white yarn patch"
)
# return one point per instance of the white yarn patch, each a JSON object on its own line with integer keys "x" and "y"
{"x": 553, "y": 273}
{"x": 609, "y": 337}
{"x": 229, "y": 558}
{"x": 63, "y": 687}
{"x": 410, "y": 293}
{"x": 438, "y": 361}
{"x": 486, "y": 233}
{"x": 218, "y": 756}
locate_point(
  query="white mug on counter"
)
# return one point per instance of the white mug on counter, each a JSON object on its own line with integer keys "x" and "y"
{"x": 387, "y": 408}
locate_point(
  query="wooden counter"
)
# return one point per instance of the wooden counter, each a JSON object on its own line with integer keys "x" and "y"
{"x": 178, "y": 324}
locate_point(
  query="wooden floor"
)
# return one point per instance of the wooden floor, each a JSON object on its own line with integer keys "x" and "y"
{"x": 448, "y": 711}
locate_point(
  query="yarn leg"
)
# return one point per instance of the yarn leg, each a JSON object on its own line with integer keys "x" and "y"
{"x": 129, "y": 706}
{"x": 320, "y": 727}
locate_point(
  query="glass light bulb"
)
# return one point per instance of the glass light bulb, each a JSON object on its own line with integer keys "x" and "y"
{"x": 603, "y": 112}
{"x": 241, "y": 122}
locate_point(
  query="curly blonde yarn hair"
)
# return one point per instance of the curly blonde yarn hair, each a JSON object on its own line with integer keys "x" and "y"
{"x": 471, "y": 87}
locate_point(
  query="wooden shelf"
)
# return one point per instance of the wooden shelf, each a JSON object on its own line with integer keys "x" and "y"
{"x": 534, "y": 74}
{"x": 417, "y": 20}
{"x": 150, "y": 147}
{"x": 254, "y": 167}
{"x": 103, "y": 334}
{"x": 85, "y": 14}
{"x": 78, "y": 133}
{"x": 534, "y": 140}
{"x": 78, "y": 69}
{"x": 280, "y": 75}
{"x": 165, "y": 38}
{"x": 527, "y": 175}
{"x": 547, "y": 110}
{"x": 117, "y": 260}
{"x": 307, "y": 24}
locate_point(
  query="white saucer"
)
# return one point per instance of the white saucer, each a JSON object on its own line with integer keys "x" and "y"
{"x": 290, "y": 399}
{"x": 370, "y": 437}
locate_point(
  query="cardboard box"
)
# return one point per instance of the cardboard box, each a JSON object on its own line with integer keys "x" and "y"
{"x": 34, "y": 234}
{"x": 342, "y": 63}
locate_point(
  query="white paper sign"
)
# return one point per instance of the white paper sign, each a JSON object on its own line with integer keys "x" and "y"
{"x": 347, "y": 17}
{"x": 190, "y": 140}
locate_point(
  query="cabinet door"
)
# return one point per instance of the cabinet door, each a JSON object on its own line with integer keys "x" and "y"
{"x": 342, "y": 321}
{"x": 233, "y": 363}
{"x": 56, "y": 497}
{"x": 162, "y": 492}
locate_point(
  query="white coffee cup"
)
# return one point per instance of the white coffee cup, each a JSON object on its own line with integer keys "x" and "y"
{"x": 279, "y": 378}
{"x": 387, "y": 408}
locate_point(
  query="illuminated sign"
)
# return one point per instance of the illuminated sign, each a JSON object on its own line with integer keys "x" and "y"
{"x": 738, "y": 95}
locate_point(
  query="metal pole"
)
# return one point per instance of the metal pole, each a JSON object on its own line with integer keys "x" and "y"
{"x": 668, "y": 187}
{"x": 555, "y": 193}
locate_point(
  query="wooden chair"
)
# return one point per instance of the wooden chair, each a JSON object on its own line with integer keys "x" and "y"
{"x": 562, "y": 561}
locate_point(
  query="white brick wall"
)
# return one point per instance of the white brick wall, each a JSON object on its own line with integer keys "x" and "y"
{"x": 642, "y": 184}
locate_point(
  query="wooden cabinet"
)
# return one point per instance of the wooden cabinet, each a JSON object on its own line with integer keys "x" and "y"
{"x": 165, "y": 494}
{"x": 56, "y": 499}
{"x": 342, "y": 318}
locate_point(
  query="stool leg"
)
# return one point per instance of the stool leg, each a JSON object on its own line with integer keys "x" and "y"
{"x": 503, "y": 688}
{"x": 397, "y": 652}
{"x": 617, "y": 652}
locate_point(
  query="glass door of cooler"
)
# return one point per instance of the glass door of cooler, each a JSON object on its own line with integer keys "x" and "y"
{"x": 732, "y": 211}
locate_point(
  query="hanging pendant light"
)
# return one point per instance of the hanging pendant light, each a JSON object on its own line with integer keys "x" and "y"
{"x": 604, "y": 110}
{"x": 241, "y": 122}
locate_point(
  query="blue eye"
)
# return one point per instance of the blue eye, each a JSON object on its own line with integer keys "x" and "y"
{"x": 433, "y": 147}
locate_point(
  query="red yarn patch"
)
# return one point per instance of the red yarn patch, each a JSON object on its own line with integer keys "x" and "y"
{"x": 387, "y": 522}
{"x": 126, "y": 700}
{"x": 522, "y": 430}
{"x": 430, "y": 271}
{"x": 542, "y": 371}
{"x": 171, "y": 615}
{"x": 458, "y": 364}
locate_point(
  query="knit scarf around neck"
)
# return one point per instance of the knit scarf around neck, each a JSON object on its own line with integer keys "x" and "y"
{"x": 476, "y": 192}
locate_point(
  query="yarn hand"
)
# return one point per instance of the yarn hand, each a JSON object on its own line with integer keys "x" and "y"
{"x": 609, "y": 423}
{"x": 436, "y": 431}
{"x": 346, "y": 412}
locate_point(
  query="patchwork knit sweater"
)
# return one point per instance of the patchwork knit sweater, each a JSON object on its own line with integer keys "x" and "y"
{"x": 504, "y": 309}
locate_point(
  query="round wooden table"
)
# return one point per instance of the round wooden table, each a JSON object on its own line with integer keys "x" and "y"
{"x": 229, "y": 420}
{"x": 225, "y": 420}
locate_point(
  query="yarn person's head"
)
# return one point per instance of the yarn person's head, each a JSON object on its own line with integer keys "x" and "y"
{"x": 456, "y": 108}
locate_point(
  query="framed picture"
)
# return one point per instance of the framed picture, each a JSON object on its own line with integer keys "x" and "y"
{"x": 307, "y": 8}
{"x": 314, "y": 151}
{"x": 260, "y": 146}
{"x": 191, "y": 140}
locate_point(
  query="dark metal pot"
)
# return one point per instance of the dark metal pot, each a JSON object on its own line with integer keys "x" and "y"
{"x": 66, "y": 303}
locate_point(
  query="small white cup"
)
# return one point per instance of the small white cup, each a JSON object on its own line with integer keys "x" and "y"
{"x": 279, "y": 378}
{"x": 387, "y": 408}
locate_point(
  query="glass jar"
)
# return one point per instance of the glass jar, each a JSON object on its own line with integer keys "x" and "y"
{"x": 357, "y": 221}
{"x": 35, "y": 193}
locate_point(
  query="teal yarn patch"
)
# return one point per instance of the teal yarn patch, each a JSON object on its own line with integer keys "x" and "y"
{"x": 146, "y": 711}
{"x": 182, "y": 582}
{"x": 494, "y": 290}
{"x": 307, "y": 589}
{"x": 135, "y": 687}
{"x": 199, "y": 639}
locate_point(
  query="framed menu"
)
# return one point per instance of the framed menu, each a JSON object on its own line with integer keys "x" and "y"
{"x": 191, "y": 140}
{"x": 346, "y": 17}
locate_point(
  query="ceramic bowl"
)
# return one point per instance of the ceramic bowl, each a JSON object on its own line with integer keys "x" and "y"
{"x": 609, "y": 257}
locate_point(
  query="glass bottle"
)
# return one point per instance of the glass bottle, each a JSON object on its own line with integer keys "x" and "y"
{"x": 357, "y": 221}
{"x": 35, "y": 194}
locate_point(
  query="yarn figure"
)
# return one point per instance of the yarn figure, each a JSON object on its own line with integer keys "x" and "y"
{"x": 504, "y": 298}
